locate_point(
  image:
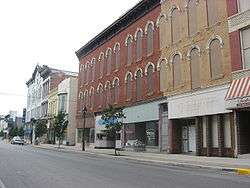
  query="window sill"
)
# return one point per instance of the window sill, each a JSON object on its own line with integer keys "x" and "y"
{"x": 116, "y": 70}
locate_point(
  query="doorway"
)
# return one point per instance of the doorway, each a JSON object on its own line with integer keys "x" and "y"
{"x": 189, "y": 137}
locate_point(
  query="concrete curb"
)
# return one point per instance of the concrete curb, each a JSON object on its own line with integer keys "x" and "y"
{"x": 239, "y": 171}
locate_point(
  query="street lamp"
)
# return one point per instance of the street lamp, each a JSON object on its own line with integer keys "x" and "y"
{"x": 84, "y": 111}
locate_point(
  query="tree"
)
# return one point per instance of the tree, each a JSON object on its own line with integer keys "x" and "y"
{"x": 13, "y": 132}
{"x": 61, "y": 124}
{"x": 40, "y": 128}
{"x": 112, "y": 118}
{"x": 21, "y": 132}
{"x": 1, "y": 133}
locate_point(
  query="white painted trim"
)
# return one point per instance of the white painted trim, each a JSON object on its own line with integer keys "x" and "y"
{"x": 146, "y": 27}
{"x": 146, "y": 68}
{"x": 214, "y": 37}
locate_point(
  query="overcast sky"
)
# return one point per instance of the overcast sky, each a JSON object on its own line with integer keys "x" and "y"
{"x": 46, "y": 32}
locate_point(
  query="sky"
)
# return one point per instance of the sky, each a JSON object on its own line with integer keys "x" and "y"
{"x": 46, "y": 32}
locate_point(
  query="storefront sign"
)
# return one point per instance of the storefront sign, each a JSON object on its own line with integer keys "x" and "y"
{"x": 205, "y": 102}
{"x": 238, "y": 103}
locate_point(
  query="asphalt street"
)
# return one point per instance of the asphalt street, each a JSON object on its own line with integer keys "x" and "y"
{"x": 29, "y": 167}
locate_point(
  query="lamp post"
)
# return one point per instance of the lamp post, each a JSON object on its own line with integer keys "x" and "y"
{"x": 84, "y": 111}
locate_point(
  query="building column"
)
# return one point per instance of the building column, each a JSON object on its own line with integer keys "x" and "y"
{"x": 199, "y": 136}
{"x": 220, "y": 134}
{"x": 209, "y": 136}
{"x": 170, "y": 136}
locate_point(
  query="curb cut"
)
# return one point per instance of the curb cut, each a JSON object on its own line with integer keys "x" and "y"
{"x": 239, "y": 171}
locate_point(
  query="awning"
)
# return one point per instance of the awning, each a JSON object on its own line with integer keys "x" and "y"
{"x": 238, "y": 95}
{"x": 239, "y": 88}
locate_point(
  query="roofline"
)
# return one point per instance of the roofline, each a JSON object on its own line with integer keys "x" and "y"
{"x": 80, "y": 53}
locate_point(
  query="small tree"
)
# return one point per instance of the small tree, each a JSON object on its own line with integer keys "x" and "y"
{"x": 21, "y": 132}
{"x": 61, "y": 124}
{"x": 40, "y": 128}
{"x": 13, "y": 132}
{"x": 1, "y": 133}
{"x": 112, "y": 118}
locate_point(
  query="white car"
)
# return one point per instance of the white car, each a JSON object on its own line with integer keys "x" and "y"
{"x": 17, "y": 140}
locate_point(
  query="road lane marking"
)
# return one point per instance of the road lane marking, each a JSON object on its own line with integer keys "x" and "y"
{"x": 1, "y": 184}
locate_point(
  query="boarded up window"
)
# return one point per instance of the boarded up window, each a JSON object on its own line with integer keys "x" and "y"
{"x": 215, "y": 59}
{"x": 150, "y": 80}
{"x": 128, "y": 86}
{"x": 129, "y": 51}
{"x": 177, "y": 70}
{"x": 246, "y": 47}
{"x": 212, "y": 12}
{"x": 109, "y": 61}
{"x": 195, "y": 68}
{"x": 116, "y": 91}
{"x": 192, "y": 15}
{"x": 150, "y": 39}
{"x": 138, "y": 45}
{"x": 175, "y": 25}
{"x": 117, "y": 57}
{"x": 138, "y": 84}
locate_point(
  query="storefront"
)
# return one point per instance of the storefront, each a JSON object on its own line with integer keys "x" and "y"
{"x": 238, "y": 100}
{"x": 200, "y": 124}
{"x": 142, "y": 127}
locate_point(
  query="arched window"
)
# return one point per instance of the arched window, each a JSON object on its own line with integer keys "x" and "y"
{"x": 177, "y": 70}
{"x": 117, "y": 56}
{"x": 150, "y": 38}
{"x": 87, "y": 72}
{"x": 150, "y": 80}
{"x": 212, "y": 12}
{"x": 215, "y": 59}
{"x": 116, "y": 90}
{"x": 86, "y": 99}
{"x": 107, "y": 93}
{"x": 100, "y": 94}
{"x": 92, "y": 94}
{"x": 192, "y": 17}
{"x": 162, "y": 24}
{"x": 109, "y": 60}
{"x": 138, "y": 82}
{"x": 129, "y": 49}
{"x": 138, "y": 38}
{"x": 101, "y": 65}
{"x": 175, "y": 25}
{"x": 195, "y": 68}
{"x": 90, "y": 72}
{"x": 164, "y": 74}
{"x": 93, "y": 69}
{"x": 128, "y": 81}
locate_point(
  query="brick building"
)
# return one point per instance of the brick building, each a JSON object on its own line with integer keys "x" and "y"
{"x": 195, "y": 72}
{"x": 238, "y": 96}
{"x": 119, "y": 67}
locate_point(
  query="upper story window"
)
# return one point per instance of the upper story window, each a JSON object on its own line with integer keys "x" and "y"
{"x": 138, "y": 82}
{"x": 150, "y": 79}
{"x": 100, "y": 94}
{"x": 162, "y": 24}
{"x": 128, "y": 43}
{"x": 87, "y": 67}
{"x": 109, "y": 60}
{"x": 91, "y": 96}
{"x": 62, "y": 102}
{"x": 117, "y": 56}
{"x": 212, "y": 12}
{"x": 192, "y": 17}
{"x": 93, "y": 63}
{"x": 149, "y": 31}
{"x": 177, "y": 69}
{"x": 194, "y": 56}
{"x": 138, "y": 39}
{"x": 175, "y": 25}
{"x": 128, "y": 82}
{"x": 107, "y": 93}
{"x": 246, "y": 47}
{"x": 243, "y": 5}
{"x": 215, "y": 55}
{"x": 101, "y": 65}
{"x": 116, "y": 90}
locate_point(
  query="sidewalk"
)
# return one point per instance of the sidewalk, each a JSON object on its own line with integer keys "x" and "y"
{"x": 240, "y": 165}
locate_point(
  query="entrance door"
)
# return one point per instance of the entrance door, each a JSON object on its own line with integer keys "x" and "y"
{"x": 192, "y": 139}
{"x": 185, "y": 144}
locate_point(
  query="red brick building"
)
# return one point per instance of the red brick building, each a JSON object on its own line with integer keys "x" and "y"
{"x": 120, "y": 67}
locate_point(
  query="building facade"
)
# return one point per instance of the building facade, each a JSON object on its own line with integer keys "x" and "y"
{"x": 119, "y": 67}
{"x": 195, "y": 72}
{"x": 238, "y": 95}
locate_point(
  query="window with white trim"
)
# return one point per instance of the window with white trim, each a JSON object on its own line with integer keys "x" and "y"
{"x": 245, "y": 35}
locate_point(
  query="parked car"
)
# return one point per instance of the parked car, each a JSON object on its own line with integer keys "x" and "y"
{"x": 17, "y": 140}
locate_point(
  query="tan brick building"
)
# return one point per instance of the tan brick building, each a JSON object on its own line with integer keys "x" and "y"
{"x": 195, "y": 71}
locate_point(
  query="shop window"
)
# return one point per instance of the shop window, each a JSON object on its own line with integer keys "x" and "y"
{"x": 246, "y": 47}
{"x": 177, "y": 70}
{"x": 138, "y": 39}
{"x": 227, "y": 131}
{"x": 212, "y": 12}
{"x": 150, "y": 38}
{"x": 215, "y": 140}
{"x": 215, "y": 59}
{"x": 192, "y": 15}
{"x": 175, "y": 25}
{"x": 195, "y": 68}
{"x": 204, "y": 132}
{"x": 152, "y": 134}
